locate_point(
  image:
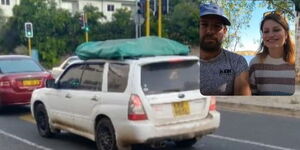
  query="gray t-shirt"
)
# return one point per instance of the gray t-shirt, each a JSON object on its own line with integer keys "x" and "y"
{"x": 217, "y": 75}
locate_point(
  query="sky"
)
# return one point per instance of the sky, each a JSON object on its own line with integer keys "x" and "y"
{"x": 250, "y": 37}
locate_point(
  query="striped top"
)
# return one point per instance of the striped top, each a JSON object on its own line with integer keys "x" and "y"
{"x": 272, "y": 77}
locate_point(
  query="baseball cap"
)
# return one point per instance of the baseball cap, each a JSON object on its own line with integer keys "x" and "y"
{"x": 213, "y": 9}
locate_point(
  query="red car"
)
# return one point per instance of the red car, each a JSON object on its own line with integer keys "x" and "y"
{"x": 19, "y": 76}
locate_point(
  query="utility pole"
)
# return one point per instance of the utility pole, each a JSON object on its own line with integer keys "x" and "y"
{"x": 159, "y": 18}
{"x": 147, "y": 17}
{"x": 86, "y": 30}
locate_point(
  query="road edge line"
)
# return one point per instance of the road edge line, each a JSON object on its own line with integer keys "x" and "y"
{"x": 259, "y": 109}
{"x": 24, "y": 140}
{"x": 249, "y": 142}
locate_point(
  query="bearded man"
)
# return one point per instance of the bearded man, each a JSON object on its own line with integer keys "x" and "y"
{"x": 221, "y": 72}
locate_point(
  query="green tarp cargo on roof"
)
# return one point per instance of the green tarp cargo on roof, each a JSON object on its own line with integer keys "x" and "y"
{"x": 130, "y": 48}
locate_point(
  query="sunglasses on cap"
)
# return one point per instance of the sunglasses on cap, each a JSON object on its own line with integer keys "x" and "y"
{"x": 276, "y": 12}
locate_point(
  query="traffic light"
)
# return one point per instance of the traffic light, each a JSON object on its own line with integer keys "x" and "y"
{"x": 82, "y": 21}
{"x": 87, "y": 29}
{"x": 141, "y": 7}
{"x": 28, "y": 30}
{"x": 165, "y": 8}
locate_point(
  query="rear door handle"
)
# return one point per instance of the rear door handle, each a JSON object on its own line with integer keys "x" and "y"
{"x": 181, "y": 95}
{"x": 68, "y": 96}
{"x": 95, "y": 98}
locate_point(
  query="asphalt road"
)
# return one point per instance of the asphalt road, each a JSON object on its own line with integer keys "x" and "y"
{"x": 238, "y": 131}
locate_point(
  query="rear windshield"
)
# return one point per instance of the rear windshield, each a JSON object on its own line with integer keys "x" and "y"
{"x": 170, "y": 77}
{"x": 18, "y": 66}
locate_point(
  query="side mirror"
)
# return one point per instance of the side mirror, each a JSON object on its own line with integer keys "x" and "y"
{"x": 50, "y": 83}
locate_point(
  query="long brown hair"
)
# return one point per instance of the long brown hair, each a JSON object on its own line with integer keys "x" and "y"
{"x": 288, "y": 47}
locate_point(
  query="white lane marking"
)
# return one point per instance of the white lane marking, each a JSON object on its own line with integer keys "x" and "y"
{"x": 249, "y": 142}
{"x": 24, "y": 140}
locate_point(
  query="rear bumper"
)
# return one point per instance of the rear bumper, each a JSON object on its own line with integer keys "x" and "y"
{"x": 146, "y": 132}
{"x": 10, "y": 97}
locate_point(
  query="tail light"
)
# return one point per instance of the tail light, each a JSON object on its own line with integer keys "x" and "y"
{"x": 212, "y": 105}
{"x": 136, "y": 109}
{"x": 4, "y": 84}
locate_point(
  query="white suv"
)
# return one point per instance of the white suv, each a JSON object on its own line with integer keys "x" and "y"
{"x": 119, "y": 103}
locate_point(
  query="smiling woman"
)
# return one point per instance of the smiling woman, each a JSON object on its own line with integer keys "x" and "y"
{"x": 272, "y": 71}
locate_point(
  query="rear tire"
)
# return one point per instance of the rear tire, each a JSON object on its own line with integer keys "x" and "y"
{"x": 42, "y": 121}
{"x": 186, "y": 143}
{"x": 105, "y": 135}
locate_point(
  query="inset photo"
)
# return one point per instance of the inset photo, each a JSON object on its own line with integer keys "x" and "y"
{"x": 248, "y": 48}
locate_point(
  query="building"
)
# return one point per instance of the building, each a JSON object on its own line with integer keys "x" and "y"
{"x": 7, "y": 6}
{"x": 108, "y": 7}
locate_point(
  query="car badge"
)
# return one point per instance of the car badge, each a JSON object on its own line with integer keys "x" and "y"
{"x": 181, "y": 95}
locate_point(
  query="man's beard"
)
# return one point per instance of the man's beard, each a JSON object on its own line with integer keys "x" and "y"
{"x": 210, "y": 46}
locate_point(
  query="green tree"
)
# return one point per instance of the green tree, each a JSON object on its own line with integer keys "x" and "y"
{"x": 57, "y": 32}
{"x": 9, "y": 36}
{"x": 2, "y": 18}
{"x": 94, "y": 16}
{"x": 183, "y": 23}
{"x": 287, "y": 6}
{"x": 239, "y": 13}
{"x": 52, "y": 29}
{"x": 122, "y": 26}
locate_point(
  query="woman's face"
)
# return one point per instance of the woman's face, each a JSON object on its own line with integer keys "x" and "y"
{"x": 274, "y": 35}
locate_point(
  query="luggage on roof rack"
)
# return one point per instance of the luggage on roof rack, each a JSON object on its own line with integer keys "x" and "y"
{"x": 130, "y": 48}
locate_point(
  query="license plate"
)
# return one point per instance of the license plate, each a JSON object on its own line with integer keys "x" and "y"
{"x": 31, "y": 82}
{"x": 181, "y": 108}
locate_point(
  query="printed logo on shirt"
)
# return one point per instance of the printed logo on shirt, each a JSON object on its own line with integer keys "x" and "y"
{"x": 225, "y": 72}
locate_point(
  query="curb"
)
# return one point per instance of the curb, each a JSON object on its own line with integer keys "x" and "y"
{"x": 288, "y": 106}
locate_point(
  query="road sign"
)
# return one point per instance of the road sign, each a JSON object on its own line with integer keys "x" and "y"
{"x": 139, "y": 19}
